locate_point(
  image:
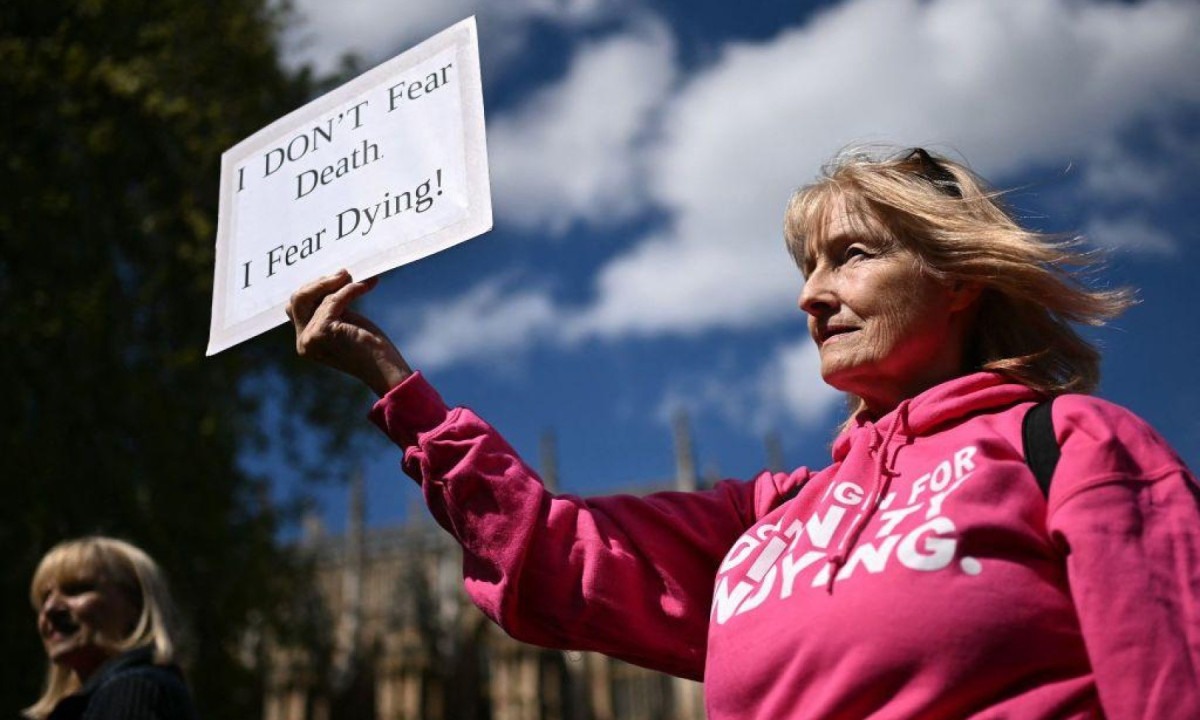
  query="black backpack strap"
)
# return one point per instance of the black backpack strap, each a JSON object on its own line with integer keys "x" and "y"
{"x": 1041, "y": 446}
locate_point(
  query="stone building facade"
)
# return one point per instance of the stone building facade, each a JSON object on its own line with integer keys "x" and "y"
{"x": 399, "y": 639}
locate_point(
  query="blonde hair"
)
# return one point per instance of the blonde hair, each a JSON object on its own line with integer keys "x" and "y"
{"x": 1033, "y": 284}
{"x": 130, "y": 570}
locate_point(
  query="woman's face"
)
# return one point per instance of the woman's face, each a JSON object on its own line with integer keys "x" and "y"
{"x": 885, "y": 329}
{"x": 82, "y": 620}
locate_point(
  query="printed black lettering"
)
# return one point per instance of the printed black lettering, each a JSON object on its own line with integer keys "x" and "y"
{"x": 361, "y": 156}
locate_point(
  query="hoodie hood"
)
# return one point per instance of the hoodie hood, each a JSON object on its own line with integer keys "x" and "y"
{"x": 938, "y": 406}
{"x": 868, "y": 448}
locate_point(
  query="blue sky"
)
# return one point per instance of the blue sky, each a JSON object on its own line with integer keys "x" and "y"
{"x": 641, "y": 154}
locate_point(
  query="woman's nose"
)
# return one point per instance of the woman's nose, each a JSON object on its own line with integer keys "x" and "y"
{"x": 52, "y": 601}
{"x": 817, "y": 296}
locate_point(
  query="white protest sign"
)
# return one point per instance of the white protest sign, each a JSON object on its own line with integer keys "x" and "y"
{"x": 386, "y": 169}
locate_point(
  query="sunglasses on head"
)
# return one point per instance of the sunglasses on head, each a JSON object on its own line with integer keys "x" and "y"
{"x": 934, "y": 172}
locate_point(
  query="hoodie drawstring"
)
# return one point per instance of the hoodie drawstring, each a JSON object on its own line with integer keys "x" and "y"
{"x": 879, "y": 488}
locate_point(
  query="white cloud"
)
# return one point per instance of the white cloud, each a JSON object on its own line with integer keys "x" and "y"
{"x": 1010, "y": 85}
{"x": 664, "y": 284}
{"x": 791, "y": 386}
{"x": 787, "y": 391}
{"x": 1113, "y": 173}
{"x": 371, "y": 29}
{"x": 1130, "y": 233}
{"x": 572, "y": 150}
{"x": 719, "y": 393}
{"x": 568, "y": 152}
{"x": 375, "y": 30}
{"x": 486, "y": 324}
{"x": 1156, "y": 170}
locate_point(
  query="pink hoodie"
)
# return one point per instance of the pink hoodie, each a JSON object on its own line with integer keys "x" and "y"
{"x": 921, "y": 575}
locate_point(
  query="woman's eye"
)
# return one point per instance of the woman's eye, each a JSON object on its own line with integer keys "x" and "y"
{"x": 78, "y": 588}
{"x": 854, "y": 251}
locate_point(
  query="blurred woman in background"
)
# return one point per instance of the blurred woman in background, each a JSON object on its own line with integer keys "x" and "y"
{"x": 109, "y": 629}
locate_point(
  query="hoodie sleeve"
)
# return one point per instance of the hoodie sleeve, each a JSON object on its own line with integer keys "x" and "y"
{"x": 627, "y": 576}
{"x": 1125, "y": 509}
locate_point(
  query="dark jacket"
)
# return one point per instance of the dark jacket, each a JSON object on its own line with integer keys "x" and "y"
{"x": 130, "y": 687}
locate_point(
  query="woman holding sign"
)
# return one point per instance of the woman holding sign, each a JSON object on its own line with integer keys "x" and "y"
{"x": 924, "y": 572}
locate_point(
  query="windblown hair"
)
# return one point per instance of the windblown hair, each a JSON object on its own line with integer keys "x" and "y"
{"x": 1035, "y": 285}
{"x": 132, "y": 572}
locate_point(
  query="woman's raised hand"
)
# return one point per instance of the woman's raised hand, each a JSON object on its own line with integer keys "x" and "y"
{"x": 329, "y": 332}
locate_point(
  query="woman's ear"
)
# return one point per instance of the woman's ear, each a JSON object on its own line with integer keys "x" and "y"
{"x": 963, "y": 294}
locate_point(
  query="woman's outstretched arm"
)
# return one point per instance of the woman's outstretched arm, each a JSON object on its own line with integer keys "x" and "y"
{"x": 628, "y": 576}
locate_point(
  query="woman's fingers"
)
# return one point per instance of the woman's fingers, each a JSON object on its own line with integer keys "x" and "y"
{"x": 333, "y": 305}
{"x": 329, "y": 332}
{"x": 304, "y": 302}
{"x": 326, "y": 329}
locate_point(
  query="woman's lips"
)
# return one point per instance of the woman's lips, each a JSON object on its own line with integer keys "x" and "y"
{"x": 833, "y": 334}
{"x": 61, "y": 626}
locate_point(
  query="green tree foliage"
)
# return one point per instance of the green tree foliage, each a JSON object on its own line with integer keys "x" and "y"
{"x": 115, "y": 113}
